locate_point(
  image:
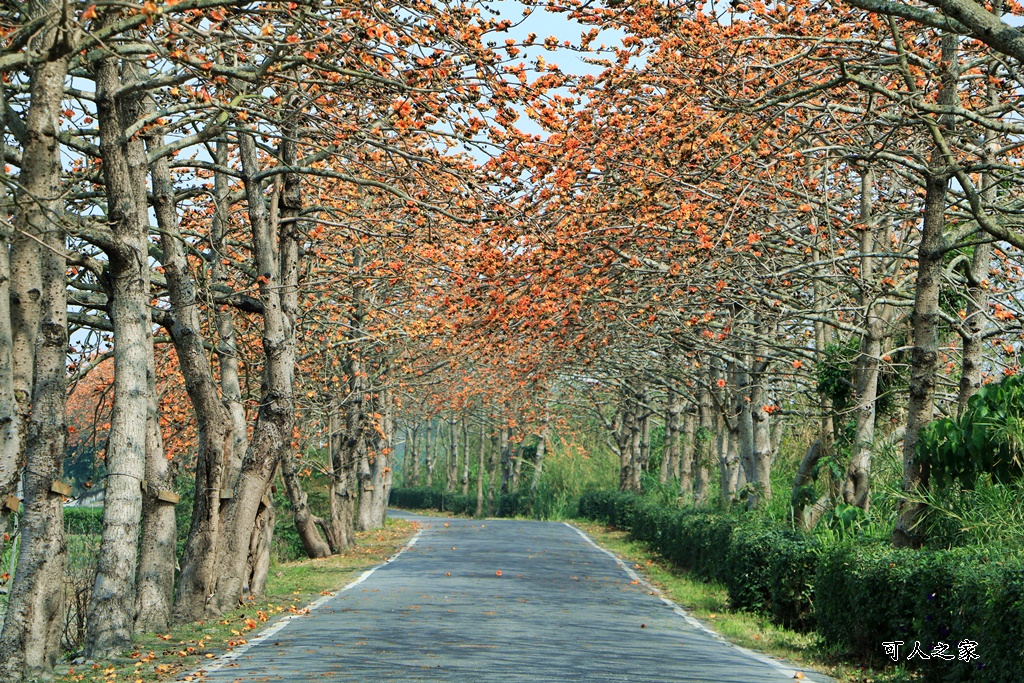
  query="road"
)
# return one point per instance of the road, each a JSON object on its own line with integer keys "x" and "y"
{"x": 502, "y": 601}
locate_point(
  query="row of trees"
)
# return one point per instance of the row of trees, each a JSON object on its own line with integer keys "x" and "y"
{"x": 785, "y": 214}
{"x": 263, "y": 188}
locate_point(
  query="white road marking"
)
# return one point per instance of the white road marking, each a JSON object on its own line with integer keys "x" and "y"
{"x": 229, "y": 657}
{"x": 782, "y": 668}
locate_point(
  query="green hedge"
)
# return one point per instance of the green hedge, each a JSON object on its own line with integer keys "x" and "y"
{"x": 420, "y": 498}
{"x": 872, "y": 593}
{"x": 855, "y": 596}
{"x": 766, "y": 569}
{"x": 83, "y": 520}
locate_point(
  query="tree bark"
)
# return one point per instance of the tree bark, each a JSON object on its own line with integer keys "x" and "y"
{"x": 214, "y": 425}
{"x": 285, "y": 210}
{"x": 493, "y": 467}
{"x": 685, "y": 455}
{"x": 517, "y": 465}
{"x": 414, "y": 456}
{"x": 926, "y": 318}
{"x": 452, "y": 471}
{"x": 745, "y": 422}
{"x": 465, "y": 456}
{"x": 307, "y": 524}
{"x": 157, "y": 550}
{"x": 538, "y": 465}
{"x": 761, "y": 439}
{"x": 30, "y": 640}
{"x": 803, "y": 484}
{"x": 670, "y": 452}
{"x": 258, "y": 563}
{"x": 975, "y": 326}
{"x": 644, "y": 447}
{"x": 275, "y": 420}
{"x": 11, "y": 424}
{"x": 703, "y": 443}
{"x": 343, "y": 484}
{"x": 505, "y": 462}
{"x": 481, "y": 466}
{"x": 856, "y": 490}
{"x": 111, "y": 618}
{"x": 226, "y": 349}
{"x": 429, "y": 454}
{"x": 376, "y": 484}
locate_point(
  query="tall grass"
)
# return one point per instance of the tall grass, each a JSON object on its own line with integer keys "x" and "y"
{"x": 574, "y": 464}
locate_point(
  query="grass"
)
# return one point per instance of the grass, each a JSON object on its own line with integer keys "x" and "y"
{"x": 709, "y": 603}
{"x": 290, "y": 587}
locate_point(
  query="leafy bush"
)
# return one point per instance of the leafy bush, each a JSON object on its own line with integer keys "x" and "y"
{"x": 766, "y": 568}
{"x": 84, "y": 521}
{"x": 792, "y": 568}
{"x": 855, "y": 596}
{"x": 987, "y": 439}
{"x": 514, "y": 504}
{"x": 421, "y": 498}
{"x": 867, "y": 595}
{"x": 415, "y": 498}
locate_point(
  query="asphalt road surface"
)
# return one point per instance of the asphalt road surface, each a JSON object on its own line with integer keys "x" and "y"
{"x": 502, "y": 601}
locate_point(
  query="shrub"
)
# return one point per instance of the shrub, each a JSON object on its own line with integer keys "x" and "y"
{"x": 415, "y": 498}
{"x": 855, "y": 596}
{"x": 867, "y": 595}
{"x": 766, "y": 568}
{"x": 83, "y": 520}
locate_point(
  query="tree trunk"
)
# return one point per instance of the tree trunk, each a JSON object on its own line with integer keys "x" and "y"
{"x": 856, "y": 490}
{"x": 275, "y": 421}
{"x": 538, "y": 464}
{"x": 30, "y": 640}
{"x": 975, "y": 326}
{"x": 517, "y": 465}
{"x": 429, "y": 455}
{"x": 158, "y": 549}
{"x": 481, "y": 466}
{"x": 214, "y": 426}
{"x": 703, "y": 443}
{"x": 306, "y": 523}
{"x": 924, "y": 359}
{"x": 342, "y": 494}
{"x": 644, "y": 447}
{"x": 729, "y": 461}
{"x": 761, "y": 440}
{"x": 803, "y": 485}
{"x": 376, "y": 484}
{"x": 685, "y": 454}
{"x": 10, "y": 416}
{"x": 414, "y": 457}
{"x": 493, "y": 466}
{"x": 465, "y": 456}
{"x": 285, "y": 211}
{"x": 258, "y": 563}
{"x": 452, "y": 469}
{"x": 629, "y": 436}
{"x": 226, "y": 349}
{"x": 745, "y": 423}
{"x": 505, "y": 462}
{"x": 670, "y": 452}
{"x": 111, "y": 619}
{"x": 926, "y": 319}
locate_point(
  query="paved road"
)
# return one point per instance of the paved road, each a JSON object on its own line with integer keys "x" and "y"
{"x": 561, "y": 610}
